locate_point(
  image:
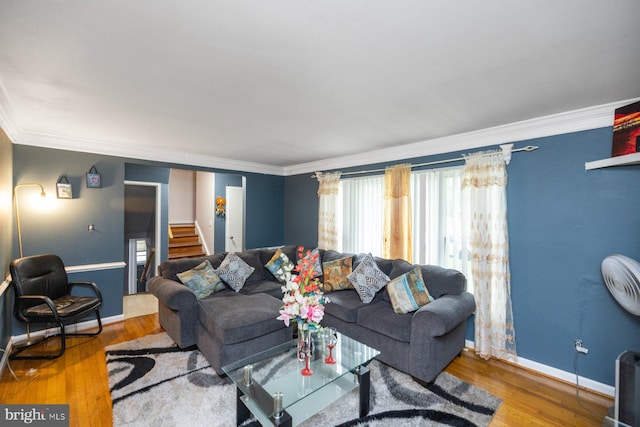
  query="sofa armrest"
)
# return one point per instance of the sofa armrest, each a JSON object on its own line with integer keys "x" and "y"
{"x": 173, "y": 294}
{"x": 442, "y": 314}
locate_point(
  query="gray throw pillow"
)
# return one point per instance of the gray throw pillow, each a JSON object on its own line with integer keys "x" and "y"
{"x": 368, "y": 279}
{"x": 234, "y": 271}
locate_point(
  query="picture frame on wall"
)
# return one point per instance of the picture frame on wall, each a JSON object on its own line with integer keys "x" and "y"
{"x": 626, "y": 130}
{"x": 63, "y": 188}
{"x": 93, "y": 178}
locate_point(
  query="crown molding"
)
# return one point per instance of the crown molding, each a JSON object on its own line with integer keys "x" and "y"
{"x": 557, "y": 124}
{"x": 64, "y": 142}
{"x": 6, "y": 123}
{"x": 566, "y": 122}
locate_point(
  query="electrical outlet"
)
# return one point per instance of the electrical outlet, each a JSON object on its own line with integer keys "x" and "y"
{"x": 579, "y": 347}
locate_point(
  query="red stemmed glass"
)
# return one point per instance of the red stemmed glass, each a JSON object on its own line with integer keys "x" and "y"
{"x": 331, "y": 340}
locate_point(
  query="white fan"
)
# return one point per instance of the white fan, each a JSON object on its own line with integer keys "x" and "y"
{"x": 622, "y": 277}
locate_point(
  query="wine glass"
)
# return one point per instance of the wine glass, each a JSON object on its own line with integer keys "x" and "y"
{"x": 331, "y": 339}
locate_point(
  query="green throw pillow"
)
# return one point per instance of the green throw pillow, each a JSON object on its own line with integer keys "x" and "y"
{"x": 335, "y": 274}
{"x": 280, "y": 266}
{"x": 408, "y": 292}
{"x": 202, "y": 280}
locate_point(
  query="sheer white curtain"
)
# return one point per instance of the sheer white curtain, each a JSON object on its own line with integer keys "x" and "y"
{"x": 484, "y": 185}
{"x": 362, "y": 214}
{"x": 440, "y": 224}
{"x": 328, "y": 202}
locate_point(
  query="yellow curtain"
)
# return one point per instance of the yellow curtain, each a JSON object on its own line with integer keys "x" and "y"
{"x": 397, "y": 213}
{"x": 328, "y": 198}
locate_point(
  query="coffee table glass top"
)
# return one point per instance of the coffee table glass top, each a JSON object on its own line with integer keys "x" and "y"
{"x": 265, "y": 375}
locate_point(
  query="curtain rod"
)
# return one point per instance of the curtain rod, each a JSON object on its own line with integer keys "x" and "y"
{"x": 506, "y": 151}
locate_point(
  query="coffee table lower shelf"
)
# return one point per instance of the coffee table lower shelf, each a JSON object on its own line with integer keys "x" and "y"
{"x": 310, "y": 405}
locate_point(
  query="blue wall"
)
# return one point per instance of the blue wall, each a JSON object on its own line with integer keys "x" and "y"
{"x": 62, "y": 228}
{"x": 265, "y": 219}
{"x": 563, "y": 221}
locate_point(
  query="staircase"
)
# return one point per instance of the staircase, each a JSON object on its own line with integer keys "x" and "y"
{"x": 184, "y": 241}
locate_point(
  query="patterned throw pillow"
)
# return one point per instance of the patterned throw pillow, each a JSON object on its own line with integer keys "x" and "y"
{"x": 202, "y": 280}
{"x": 368, "y": 279}
{"x": 234, "y": 271}
{"x": 280, "y": 266}
{"x": 335, "y": 274}
{"x": 408, "y": 292}
{"x": 317, "y": 266}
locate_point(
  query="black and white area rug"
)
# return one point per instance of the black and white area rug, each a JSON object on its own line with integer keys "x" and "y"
{"x": 155, "y": 383}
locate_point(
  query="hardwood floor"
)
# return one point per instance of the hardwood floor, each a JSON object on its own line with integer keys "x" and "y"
{"x": 79, "y": 378}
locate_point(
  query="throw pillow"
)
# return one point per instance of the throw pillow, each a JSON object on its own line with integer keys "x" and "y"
{"x": 202, "y": 280}
{"x": 280, "y": 266}
{"x": 368, "y": 279}
{"x": 317, "y": 266}
{"x": 408, "y": 292}
{"x": 234, "y": 271}
{"x": 335, "y": 274}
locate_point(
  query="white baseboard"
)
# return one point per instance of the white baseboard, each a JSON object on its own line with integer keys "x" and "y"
{"x": 77, "y": 327}
{"x": 568, "y": 377}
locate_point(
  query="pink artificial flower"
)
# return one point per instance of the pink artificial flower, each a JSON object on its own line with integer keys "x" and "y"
{"x": 284, "y": 316}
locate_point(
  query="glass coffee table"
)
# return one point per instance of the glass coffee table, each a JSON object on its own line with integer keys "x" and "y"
{"x": 270, "y": 385}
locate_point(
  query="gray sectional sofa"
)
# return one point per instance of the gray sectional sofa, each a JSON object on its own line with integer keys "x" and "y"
{"x": 229, "y": 325}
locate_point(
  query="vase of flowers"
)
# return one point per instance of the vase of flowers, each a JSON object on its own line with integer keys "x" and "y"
{"x": 303, "y": 303}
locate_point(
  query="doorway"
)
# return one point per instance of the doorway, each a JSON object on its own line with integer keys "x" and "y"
{"x": 141, "y": 233}
{"x": 234, "y": 224}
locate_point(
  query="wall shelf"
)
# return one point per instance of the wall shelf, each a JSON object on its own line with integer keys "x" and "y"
{"x": 628, "y": 159}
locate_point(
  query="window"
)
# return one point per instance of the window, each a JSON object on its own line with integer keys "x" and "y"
{"x": 439, "y": 218}
{"x": 360, "y": 213}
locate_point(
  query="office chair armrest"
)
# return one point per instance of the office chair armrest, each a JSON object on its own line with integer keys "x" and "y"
{"x": 45, "y": 299}
{"x": 90, "y": 285}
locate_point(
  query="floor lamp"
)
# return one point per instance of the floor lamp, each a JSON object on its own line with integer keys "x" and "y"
{"x": 15, "y": 201}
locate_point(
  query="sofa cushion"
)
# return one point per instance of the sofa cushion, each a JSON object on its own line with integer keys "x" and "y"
{"x": 384, "y": 264}
{"x": 344, "y": 305}
{"x": 439, "y": 280}
{"x": 237, "y": 318}
{"x": 280, "y": 266}
{"x": 443, "y": 281}
{"x": 399, "y": 267}
{"x": 270, "y": 287}
{"x": 202, "y": 280}
{"x": 408, "y": 292}
{"x": 379, "y": 317}
{"x": 368, "y": 279}
{"x": 234, "y": 271}
{"x": 252, "y": 258}
{"x": 170, "y": 268}
{"x": 335, "y": 275}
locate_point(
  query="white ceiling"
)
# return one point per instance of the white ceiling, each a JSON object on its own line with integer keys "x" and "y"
{"x": 268, "y": 85}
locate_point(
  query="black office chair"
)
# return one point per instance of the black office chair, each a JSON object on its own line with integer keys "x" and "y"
{"x": 42, "y": 295}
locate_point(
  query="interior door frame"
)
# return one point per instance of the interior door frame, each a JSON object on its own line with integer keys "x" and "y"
{"x": 241, "y": 213}
{"x": 158, "y": 225}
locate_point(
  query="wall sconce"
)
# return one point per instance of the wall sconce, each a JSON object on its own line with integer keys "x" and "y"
{"x": 15, "y": 201}
{"x": 220, "y": 205}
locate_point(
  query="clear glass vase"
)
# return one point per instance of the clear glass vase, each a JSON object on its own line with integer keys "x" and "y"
{"x": 305, "y": 347}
